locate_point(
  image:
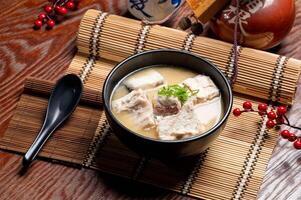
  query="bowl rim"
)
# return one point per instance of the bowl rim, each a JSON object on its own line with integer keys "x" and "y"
{"x": 107, "y": 108}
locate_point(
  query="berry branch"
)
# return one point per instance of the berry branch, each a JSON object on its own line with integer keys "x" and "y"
{"x": 277, "y": 118}
{"x": 57, "y": 7}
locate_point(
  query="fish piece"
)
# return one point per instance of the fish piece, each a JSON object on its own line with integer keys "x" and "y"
{"x": 209, "y": 112}
{"x": 147, "y": 80}
{"x": 206, "y": 88}
{"x": 182, "y": 125}
{"x": 166, "y": 105}
{"x": 138, "y": 106}
{"x": 192, "y": 119}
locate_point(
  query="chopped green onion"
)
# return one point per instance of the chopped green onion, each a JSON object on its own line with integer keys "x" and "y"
{"x": 181, "y": 92}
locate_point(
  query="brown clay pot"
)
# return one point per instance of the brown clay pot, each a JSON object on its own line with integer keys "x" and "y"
{"x": 262, "y": 23}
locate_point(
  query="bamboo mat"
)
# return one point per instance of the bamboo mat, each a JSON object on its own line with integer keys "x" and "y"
{"x": 233, "y": 166}
{"x": 114, "y": 38}
{"x": 86, "y": 140}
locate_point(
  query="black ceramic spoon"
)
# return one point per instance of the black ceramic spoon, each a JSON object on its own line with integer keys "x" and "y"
{"x": 62, "y": 102}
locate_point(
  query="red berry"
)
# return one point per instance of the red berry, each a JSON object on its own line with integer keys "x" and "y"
{"x": 285, "y": 134}
{"x": 270, "y": 124}
{"x": 50, "y": 23}
{"x": 262, "y": 107}
{"x": 38, "y": 23}
{"x": 70, "y": 5}
{"x": 281, "y": 110}
{"x": 280, "y": 120}
{"x": 48, "y": 9}
{"x": 272, "y": 115}
{"x": 297, "y": 144}
{"x": 292, "y": 137}
{"x": 236, "y": 112}
{"x": 247, "y": 105}
{"x": 42, "y": 16}
{"x": 61, "y": 10}
{"x": 57, "y": 9}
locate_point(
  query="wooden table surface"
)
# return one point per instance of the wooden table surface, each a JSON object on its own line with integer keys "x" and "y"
{"x": 46, "y": 54}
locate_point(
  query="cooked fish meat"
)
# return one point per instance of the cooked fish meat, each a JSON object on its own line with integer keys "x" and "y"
{"x": 206, "y": 88}
{"x": 182, "y": 125}
{"x": 138, "y": 106}
{"x": 209, "y": 112}
{"x": 166, "y": 105}
{"x": 149, "y": 79}
{"x": 191, "y": 120}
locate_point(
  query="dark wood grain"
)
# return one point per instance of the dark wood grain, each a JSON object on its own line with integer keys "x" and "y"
{"x": 46, "y": 54}
{"x": 24, "y": 51}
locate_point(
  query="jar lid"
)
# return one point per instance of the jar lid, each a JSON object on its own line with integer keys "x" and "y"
{"x": 153, "y": 10}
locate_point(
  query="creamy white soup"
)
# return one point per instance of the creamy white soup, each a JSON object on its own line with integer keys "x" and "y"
{"x": 167, "y": 102}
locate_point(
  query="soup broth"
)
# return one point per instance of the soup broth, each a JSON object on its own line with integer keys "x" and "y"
{"x": 152, "y": 79}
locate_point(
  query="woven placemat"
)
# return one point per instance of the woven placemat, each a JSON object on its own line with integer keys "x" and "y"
{"x": 233, "y": 166}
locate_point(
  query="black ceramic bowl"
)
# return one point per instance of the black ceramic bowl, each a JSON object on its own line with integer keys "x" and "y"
{"x": 155, "y": 147}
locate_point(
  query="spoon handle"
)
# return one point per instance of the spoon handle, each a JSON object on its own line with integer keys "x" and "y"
{"x": 34, "y": 149}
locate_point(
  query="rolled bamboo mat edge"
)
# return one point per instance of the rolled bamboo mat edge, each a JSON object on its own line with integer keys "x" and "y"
{"x": 114, "y": 38}
{"x": 44, "y": 87}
